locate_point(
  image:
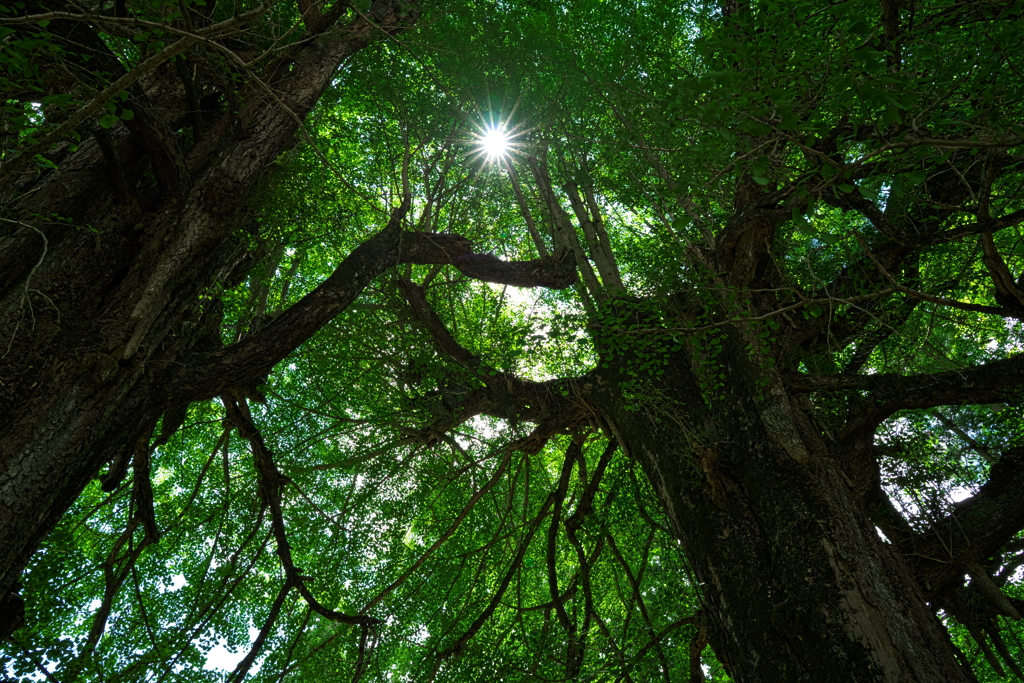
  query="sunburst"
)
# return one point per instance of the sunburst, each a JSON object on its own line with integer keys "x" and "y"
{"x": 495, "y": 139}
{"x": 495, "y": 143}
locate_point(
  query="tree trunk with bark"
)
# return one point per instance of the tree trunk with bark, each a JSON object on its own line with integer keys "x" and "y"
{"x": 778, "y": 508}
{"x": 797, "y": 584}
{"x": 110, "y": 265}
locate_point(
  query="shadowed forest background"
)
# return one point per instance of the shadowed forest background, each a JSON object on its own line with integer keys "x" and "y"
{"x": 511, "y": 341}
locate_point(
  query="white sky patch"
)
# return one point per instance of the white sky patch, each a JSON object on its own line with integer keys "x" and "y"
{"x": 960, "y": 493}
{"x": 220, "y": 658}
{"x": 178, "y": 582}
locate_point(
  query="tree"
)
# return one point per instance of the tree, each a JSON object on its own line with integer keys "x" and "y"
{"x": 781, "y": 269}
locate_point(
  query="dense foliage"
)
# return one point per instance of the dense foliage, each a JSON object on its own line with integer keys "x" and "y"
{"x": 492, "y": 538}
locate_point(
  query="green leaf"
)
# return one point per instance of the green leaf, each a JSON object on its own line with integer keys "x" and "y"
{"x": 915, "y": 177}
{"x": 859, "y": 27}
{"x": 108, "y": 121}
{"x": 870, "y": 190}
{"x": 760, "y": 165}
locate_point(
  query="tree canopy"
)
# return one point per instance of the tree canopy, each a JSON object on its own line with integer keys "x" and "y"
{"x": 720, "y": 348}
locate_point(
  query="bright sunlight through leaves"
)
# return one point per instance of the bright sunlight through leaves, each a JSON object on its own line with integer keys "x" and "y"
{"x": 495, "y": 143}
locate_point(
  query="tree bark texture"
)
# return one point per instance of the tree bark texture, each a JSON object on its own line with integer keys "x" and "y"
{"x": 108, "y": 322}
{"x": 104, "y": 275}
{"x": 797, "y": 583}
{"x": 777, "y": 520}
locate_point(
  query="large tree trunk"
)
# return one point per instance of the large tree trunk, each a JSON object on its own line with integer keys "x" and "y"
{"x": 102, "y": 275}
{"x": 797, "y": 584}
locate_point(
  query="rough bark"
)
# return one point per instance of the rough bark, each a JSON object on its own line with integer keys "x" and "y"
{"x": 102, "y": 300}
{"x": 108, "y": 328}
{"x": 796, "y": 582}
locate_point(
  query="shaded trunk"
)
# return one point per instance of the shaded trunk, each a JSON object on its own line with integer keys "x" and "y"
{"x": 797, "y": 584}
{"x": 107, "y": 279}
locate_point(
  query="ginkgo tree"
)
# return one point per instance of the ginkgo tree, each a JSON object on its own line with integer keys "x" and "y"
{"x": 499, "y": 341}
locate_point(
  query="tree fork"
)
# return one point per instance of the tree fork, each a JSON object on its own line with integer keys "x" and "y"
{"x": 94, "y": 373}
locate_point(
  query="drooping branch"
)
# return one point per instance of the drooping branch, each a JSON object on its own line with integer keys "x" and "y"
{"x": 556, "y": 517}
{"x": 634, "y": 584}
{"x": 243, "y": 667}
{"x": 467, "y": 508}
{"x": 974, "y": 531}
{"x": 1015, "y": 311}
{"x": 271, "y": 482}
{"x": 586, "y": 504}
{"x": 516, "y": 563}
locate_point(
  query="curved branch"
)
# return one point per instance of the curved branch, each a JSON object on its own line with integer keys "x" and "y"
{"x": 504, "y": 395}
{"x": 467, "y": 508}
{"x": 210, "y": 374}
{"x": 976, "y": 529}
{"x": 271, "y": 482}
{"x": 243, "y": 667}
{"x": 517, "y": 561}
{"x": 563, "y": 485}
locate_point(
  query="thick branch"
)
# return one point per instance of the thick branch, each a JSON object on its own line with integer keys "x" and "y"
{"x": 995, "y": 382}
{"x": 743, "y": 248}
{"x": 976, "y": 529}
{"x": 213, "y": 373}
{"x": 504, "y": 395}
{"x": 122, "y": 83}
{"x": 503, "y": 382}
{"x": 254, "y": 356}
{"x": 310, "y": 13}
{"x": 563, "y": 233}
{"x": 1007, "y": 292}
{"x": 557, "y": 271}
